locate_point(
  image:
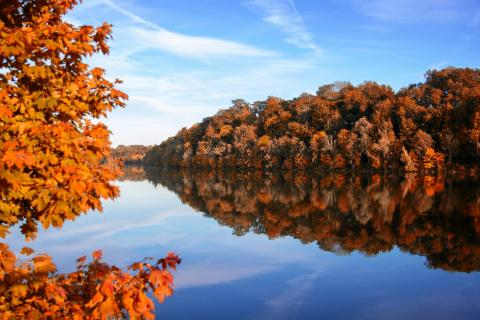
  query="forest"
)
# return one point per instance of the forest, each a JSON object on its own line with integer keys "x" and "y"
{"x": 425, "y": 127}
{"x": 132, "y": 154}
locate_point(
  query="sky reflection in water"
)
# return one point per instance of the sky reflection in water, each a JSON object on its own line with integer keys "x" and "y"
{"x": 225, "y": 276}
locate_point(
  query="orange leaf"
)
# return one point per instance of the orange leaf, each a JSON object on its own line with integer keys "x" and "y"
{"x": 26, "y": 251}
{"x": 97, "y": 255}
{"x": 43, "y": 264}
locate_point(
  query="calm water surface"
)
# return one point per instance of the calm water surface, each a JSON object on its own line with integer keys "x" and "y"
{"x": 291, "y": 246}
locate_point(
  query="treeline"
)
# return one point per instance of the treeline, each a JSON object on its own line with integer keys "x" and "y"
{"x": 132, "y": 154}
{"x": 424, "y": 215}
{"x": 423, "y": 127}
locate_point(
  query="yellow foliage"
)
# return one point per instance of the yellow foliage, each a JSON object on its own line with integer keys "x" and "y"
{"x": 264, "y": 141}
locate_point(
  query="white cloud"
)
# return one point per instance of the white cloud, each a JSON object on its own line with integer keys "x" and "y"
{"x": 160, "y": 103}
{"x": 148, "y": 35}
{"x": 193, "y": 46}
{"x": 207, "y": 274}
{"x": 287, "y": 302}
{"x": 131, "y": 15}
{"x": 284, "y": 15}
{"x": 169, "y": 88}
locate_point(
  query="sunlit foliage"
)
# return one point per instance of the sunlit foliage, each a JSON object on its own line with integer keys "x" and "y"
{"x": 129, "y": 155}
{"x": 33, "y": 289}
{"x": 50, "y": 150}
{"x": 52, "y": 168}
{"x": 421, "y": 128}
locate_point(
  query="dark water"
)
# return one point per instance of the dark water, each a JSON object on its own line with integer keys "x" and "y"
{"x": 292, "y": 246}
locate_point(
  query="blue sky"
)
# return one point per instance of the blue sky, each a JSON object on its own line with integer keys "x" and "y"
{"x": 182, "y": 60}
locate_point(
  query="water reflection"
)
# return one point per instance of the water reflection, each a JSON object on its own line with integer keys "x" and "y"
{"x": 430, "y": 216}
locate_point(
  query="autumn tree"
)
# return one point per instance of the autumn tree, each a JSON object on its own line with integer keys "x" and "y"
{"x": 52, "y": 149}
{"x": 474, "y": 134}
{"x": 33, "y": 289}
{"x": 132, "y": 154}
{"x": 426, "y": 127}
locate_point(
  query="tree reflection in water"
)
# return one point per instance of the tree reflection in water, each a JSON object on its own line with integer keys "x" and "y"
{"x": 434, "y": 217}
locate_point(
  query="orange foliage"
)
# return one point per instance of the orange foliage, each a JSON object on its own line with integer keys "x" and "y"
{"x": 132, "y": 154}
{"x": 339, "y": 161}
{"x": 51, "y": 152}
{"x": 96, "y": 290}
{"x": 53, "y": 168}
{"x": 344, "y": 126}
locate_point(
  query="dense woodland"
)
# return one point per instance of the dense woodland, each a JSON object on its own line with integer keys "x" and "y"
{"x": 132, "y": 154}
{"x": 370, "y": 213}
{"x": 424, "y": 127}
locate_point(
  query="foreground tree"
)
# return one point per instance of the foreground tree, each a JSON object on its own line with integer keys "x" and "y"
{"x": 34, "y": 290}
{"x": 51, "y": 167}
{"x": 51, "y": 152}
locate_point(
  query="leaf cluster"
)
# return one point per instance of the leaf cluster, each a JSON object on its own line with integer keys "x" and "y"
{"x": 33, "y": 289}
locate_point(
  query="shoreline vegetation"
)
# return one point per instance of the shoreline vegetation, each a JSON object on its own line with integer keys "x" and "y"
{"x": 429, "y": 127}
{"x": 129, "y": 155}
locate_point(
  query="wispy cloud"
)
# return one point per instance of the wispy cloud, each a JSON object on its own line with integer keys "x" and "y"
{"x": 148, "y": 35}
{"x": 284, "y": 15}
{"x": 412, "y": 10}
{"x": 194, "y": 46}
{"x": 286, "y": 303}
{"x": 168, "y": 81}
{"x": 214, "y": 274}
{"x": 131, "y": 15}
